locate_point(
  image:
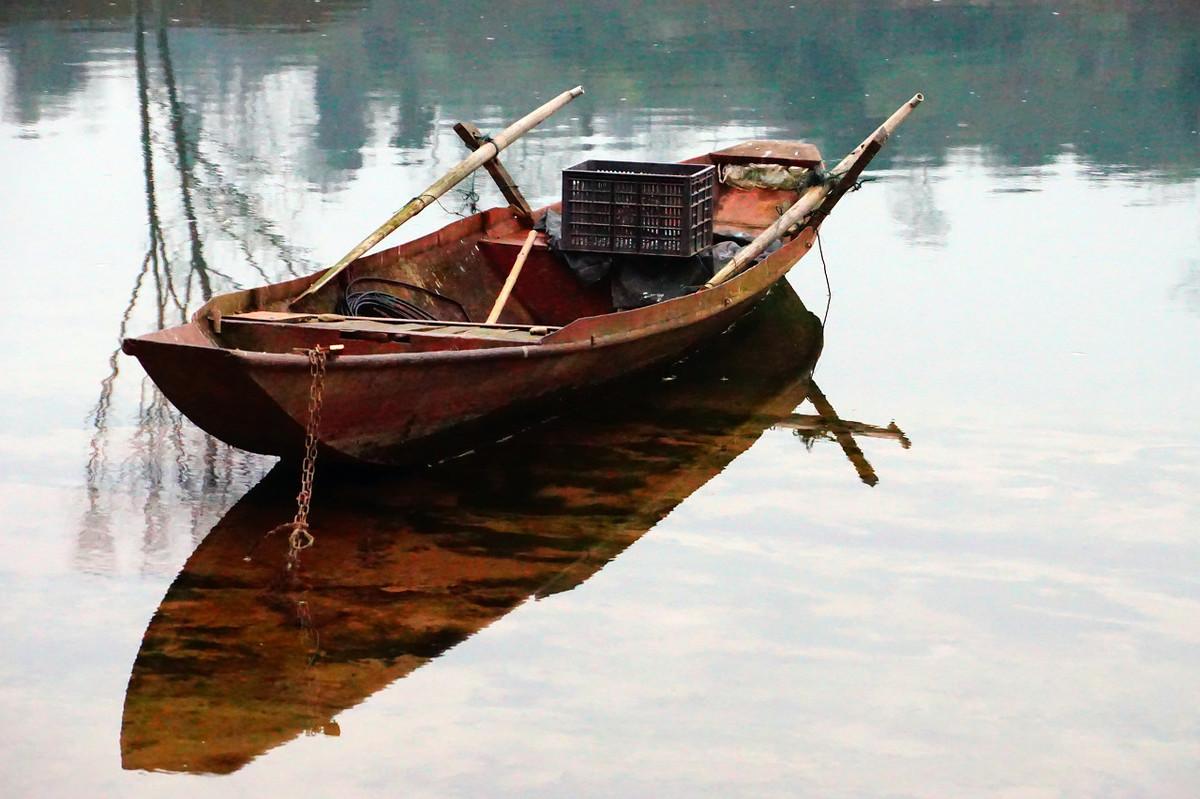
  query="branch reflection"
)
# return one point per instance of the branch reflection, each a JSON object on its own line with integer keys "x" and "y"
{"x": 162, "y": 448}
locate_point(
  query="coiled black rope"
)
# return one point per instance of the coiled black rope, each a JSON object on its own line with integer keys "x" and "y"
{"x": 385, "y": 305}
{"x": 382, "y": 305}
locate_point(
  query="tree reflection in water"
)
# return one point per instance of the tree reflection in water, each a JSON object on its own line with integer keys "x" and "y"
{"x": 164, "y": 455}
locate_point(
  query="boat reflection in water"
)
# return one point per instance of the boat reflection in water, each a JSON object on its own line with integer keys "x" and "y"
{"x": 243, "y": 656}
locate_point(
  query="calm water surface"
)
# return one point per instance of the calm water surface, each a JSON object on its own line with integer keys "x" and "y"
{"x": 687, "y": 587}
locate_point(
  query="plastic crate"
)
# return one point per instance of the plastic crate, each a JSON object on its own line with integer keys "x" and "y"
{"x": 638, "y": 207}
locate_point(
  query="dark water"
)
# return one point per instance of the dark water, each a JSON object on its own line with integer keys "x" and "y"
{"x": 686, "y": 587}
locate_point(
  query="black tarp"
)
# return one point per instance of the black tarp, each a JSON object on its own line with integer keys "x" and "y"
{"x": 638, "y": 280}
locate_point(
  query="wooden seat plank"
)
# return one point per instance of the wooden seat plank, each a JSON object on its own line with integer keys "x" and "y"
{"x": 394, "y": 327}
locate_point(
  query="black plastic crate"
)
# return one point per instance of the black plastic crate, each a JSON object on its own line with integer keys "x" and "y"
{"x": 638, "y": 207}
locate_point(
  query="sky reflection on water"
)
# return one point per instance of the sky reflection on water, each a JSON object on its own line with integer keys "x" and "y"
{"x": 1012, "y": 611}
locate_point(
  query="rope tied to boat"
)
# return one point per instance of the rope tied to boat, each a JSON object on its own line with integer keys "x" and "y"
{"x": 468, "y": 197}
{"x": 300, "y": 538}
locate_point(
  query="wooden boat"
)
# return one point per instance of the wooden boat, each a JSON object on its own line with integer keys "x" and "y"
{"x": 400, "y": 389}
{"x": 243, "y": 655}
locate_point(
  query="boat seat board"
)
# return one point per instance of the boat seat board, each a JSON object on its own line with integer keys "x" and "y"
{"x": 434, "y": 334}
{"x": 285, "y": 316}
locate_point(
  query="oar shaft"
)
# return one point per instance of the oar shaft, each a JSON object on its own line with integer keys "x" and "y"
{"x": 511, "y": 280}
{"x": 448, "y": 181}
{"x": 814, "y": 197}
{"x": 881, "y": 134}
{"x": 807, "y": 203}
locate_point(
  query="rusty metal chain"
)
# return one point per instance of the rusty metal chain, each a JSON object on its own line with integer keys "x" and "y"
{"x": 300, "y": 538}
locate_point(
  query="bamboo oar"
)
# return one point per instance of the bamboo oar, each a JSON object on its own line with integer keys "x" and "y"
{"x": 448, "y": 181}
{"x": 511, "y": 280}
{"x": 847, "y": 171}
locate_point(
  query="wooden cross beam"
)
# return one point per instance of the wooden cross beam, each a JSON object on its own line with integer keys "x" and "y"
{"x": 473, "y": 138}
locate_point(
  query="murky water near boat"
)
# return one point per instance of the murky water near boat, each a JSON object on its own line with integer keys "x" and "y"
{"x": 681, "y": 587}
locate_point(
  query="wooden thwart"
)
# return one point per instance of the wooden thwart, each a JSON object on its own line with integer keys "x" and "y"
{"x": 283, "y": 317}
{"x": 396, "y": 329}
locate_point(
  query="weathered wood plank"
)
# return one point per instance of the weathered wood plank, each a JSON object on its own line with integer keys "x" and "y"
{"x": 473, "y": 138}
{"x": 385, "y": 327}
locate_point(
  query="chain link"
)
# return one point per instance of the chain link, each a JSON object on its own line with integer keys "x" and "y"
{"x": 300, "y": 537}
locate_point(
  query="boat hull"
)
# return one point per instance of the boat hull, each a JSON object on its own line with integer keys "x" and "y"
{"x": 401, "y": 409}
{"x": 382, "y": 406}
